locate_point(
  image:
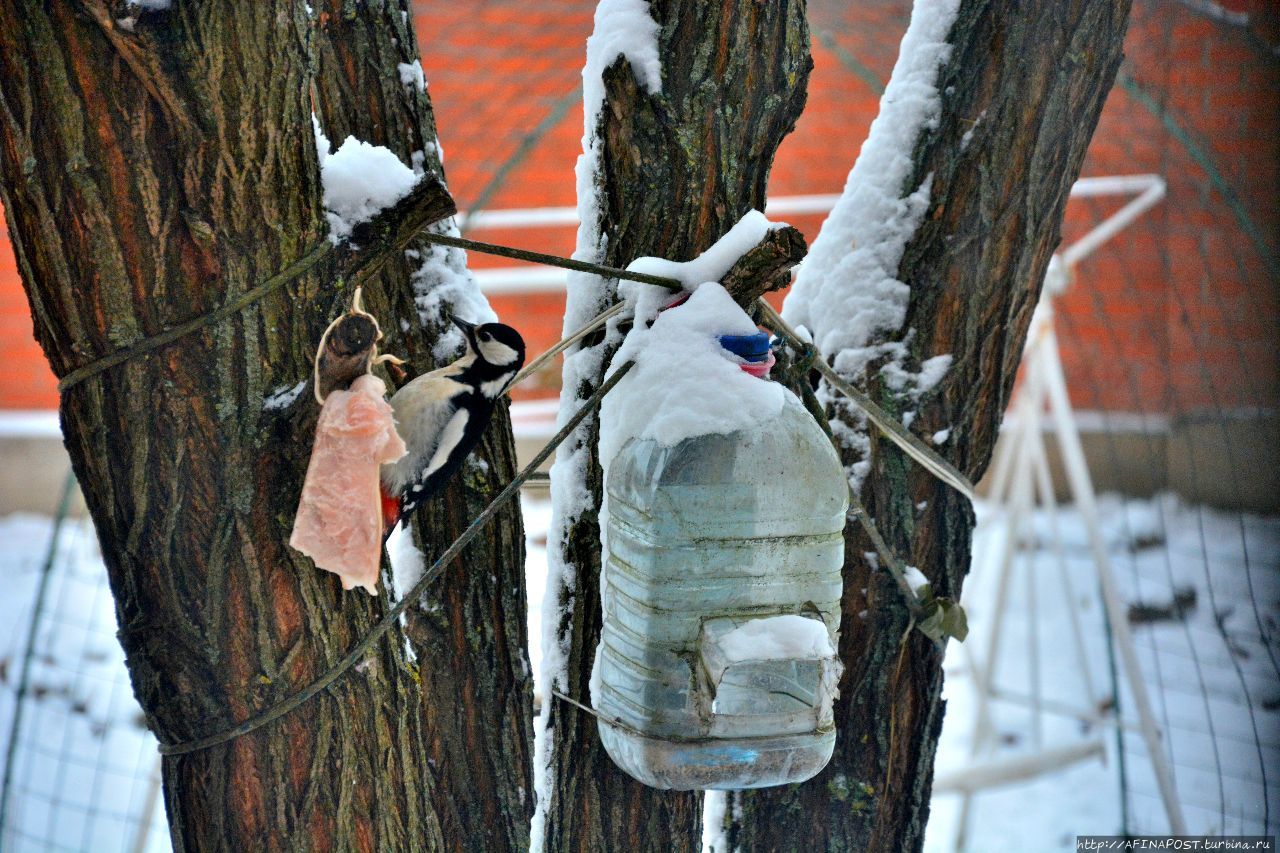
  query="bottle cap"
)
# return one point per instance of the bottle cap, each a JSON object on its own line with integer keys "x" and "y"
{"x": 750, "y": 347}
{"x": 753, "y": 350}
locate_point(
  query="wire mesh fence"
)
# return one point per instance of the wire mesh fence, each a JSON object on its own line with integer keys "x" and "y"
{"x": 81, "y": 769}
{"x": 1168, "y": 341}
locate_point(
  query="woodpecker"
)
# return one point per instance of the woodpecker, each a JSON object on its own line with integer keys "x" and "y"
{"x": 441, "y": 416}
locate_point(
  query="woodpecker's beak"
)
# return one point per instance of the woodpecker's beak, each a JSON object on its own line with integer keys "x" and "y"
{"x": 468, "y": 329}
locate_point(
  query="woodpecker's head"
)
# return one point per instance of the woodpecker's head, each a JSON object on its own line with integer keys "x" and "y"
{"x": 499, "y": 349}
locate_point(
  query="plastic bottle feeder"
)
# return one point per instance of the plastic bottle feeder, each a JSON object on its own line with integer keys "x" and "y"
{"x": 722, "y": 602}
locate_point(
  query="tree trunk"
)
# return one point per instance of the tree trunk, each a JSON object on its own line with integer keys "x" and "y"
{"x": 1029, "y": 79}
{"x": 469, "y": 635}
{"x": 155, "y": 165}
{"x": 678, "y": 168}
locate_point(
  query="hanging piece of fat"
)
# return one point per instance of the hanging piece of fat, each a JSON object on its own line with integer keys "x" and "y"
{"x": 339, "y": 520}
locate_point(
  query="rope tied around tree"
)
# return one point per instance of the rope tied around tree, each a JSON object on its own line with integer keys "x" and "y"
{"x": 370, "y": 245}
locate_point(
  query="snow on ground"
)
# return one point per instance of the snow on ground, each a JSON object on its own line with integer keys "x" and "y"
{"x": 84, "y": 762}
{"x": 1210, "y": 694}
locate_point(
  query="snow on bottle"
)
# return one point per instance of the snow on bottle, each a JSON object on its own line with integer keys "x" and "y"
{"x": 721, "y": 581}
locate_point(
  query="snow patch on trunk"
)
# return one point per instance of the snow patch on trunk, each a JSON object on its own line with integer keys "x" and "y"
{"x": 915, "y": 579}
{"x": 443, "y": 287}
{"x": 407, "y": 566}
{"x": 847, "y": 292}
{"x": 407, "y": 562}
{"x": 411, "y": 75}
{"x": 322, "y": 141}
{"x": 622, "y": 28}
{"x": 283, "y": 397}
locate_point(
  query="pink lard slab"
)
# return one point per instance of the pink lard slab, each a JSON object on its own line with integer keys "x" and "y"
{"x": 339, "y": 518}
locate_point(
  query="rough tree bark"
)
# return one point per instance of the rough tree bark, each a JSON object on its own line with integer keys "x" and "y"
{"x": 678, "y": 169}
{"x": 153, "y": 166}
{"x": 1036, "y": 75}
{"x": 470, "y": 634}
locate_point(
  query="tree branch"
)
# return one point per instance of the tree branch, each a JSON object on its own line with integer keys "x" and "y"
{"x": 393, "y": 229}
{"x": 767, "y": 267}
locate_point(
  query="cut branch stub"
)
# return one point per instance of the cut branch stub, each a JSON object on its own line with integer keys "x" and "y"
{"x": 392, "y": 230}
{"x": 767, "y": 267}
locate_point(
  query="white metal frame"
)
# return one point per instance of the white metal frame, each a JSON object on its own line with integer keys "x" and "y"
{"x": 502, "y": 281}
{"x": 1021, "y": 483}
{"x": 513, "y": 280}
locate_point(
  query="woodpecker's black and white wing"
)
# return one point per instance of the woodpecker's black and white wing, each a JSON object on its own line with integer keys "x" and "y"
{"x": 443, "y": 415}
{"x": 427, "y": 413}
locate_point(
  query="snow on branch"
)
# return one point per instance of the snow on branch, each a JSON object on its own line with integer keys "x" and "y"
{"x": 375, "y": 204}
{"x": 359, "y": 180}
{"x": 367, "y": 189}
{"x": 393, "y": 229}
{"x": 848, "y": 294}
{"x": 767, "y": 267}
